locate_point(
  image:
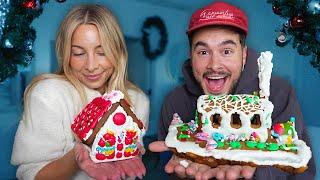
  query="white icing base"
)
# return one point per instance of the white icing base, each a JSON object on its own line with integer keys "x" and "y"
{"x": 257, "y": 157}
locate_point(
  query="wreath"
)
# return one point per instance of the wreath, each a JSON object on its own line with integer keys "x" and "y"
{"x": 156, "y": 22}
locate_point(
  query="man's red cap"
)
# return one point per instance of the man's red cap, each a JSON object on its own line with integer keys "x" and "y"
{"x": 219, "y": 13}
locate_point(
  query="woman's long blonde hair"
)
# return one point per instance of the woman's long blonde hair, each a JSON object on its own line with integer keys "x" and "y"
{"x": 112, "y": 42}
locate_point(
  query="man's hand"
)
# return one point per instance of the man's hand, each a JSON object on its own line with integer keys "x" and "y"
{"x": 201, "y": 171}
{"x": 108, "y": 170}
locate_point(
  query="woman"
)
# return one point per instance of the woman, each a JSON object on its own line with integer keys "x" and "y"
{"x": 92, "y": 60}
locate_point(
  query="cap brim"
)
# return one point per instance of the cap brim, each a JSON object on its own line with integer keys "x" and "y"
{"x": 217, "y": 23}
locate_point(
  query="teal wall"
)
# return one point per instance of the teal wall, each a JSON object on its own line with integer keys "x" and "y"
{"x": 164, "y": 72}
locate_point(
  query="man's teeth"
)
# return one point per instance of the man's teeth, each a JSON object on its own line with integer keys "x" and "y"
{"x": 216, "y": 77}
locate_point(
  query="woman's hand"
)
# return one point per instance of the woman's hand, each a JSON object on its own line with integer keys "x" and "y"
{"x": 132, "y": 167}
{"x": 99, "y": 171}
{"x": 108, "y": 170}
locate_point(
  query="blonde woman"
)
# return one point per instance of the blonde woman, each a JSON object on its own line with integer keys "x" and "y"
{"x": 92, "y": 60}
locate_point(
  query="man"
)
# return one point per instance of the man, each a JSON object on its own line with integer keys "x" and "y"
{"x": 219, "y": 65}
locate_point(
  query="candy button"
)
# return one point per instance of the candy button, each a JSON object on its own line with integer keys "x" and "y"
{"x": 119, "y": 119}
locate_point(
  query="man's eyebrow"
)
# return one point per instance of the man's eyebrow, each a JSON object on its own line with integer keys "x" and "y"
{"x": 227, "y": 42}
{"x": 200, "y": 43}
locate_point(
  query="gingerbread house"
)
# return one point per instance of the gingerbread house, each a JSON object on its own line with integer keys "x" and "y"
{"x": 238, "y": 115}
{"x": 110, "y": 128}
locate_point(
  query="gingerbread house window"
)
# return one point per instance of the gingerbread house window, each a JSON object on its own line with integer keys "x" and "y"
{"x": 215, "y": 120}
{"x": 255, "y": 121}
{"x": 235, "y": 121}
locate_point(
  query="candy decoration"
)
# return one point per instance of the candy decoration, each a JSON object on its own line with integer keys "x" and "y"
{"x": 135, "y": 153}
{"x": 111, "y": 156}
{"x": 212, "y": 144}
{"x": 119, "y": 155}
{"x": 235, "y": 145}
{"x": 176, "y": 119}
{"x": 261, "y": 145}
{"x": 273, "y": 147}
{"x": 251, "y": 144}
{"x": 101, "y": 143}
{"x": 119, "y": 119}
{"x": 100, "y": 156}
{"x": 278, "y": 128}
{"x": 119, "y": 147}
{"x": 218, "y": 137}
{"x": 90, "y": 116}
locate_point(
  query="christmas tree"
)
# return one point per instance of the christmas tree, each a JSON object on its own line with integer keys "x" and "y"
{"x": 301, "y": 26}
{"x": 16, "y": 34}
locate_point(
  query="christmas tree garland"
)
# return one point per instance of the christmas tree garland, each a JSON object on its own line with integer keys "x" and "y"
{"x": 16, "y": 34}
{"x": 301, "y": 26}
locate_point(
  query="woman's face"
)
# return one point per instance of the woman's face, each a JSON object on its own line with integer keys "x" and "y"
{"x": 88, "y": 61}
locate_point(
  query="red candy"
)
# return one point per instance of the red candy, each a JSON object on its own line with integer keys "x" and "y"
{"x": 111, "y": 156}
{"x": 119, "y": 154}
{"x": 102, "y": 143}
{"x": 127, "y": 154}
{"x": 278, "y": 128}
{"x": 119, "y": 147}
{"x": 119, "y": 119}
{"x": 100, "y": 156}
{"x": 128, "y": 141}
{"x": 136, "y": 152}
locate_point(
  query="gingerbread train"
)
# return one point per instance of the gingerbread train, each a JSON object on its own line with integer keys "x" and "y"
{"x": 110, "y": 128}
{"x": 238, "y": 130}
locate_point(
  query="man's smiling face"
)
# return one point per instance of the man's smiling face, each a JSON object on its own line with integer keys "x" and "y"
{"x": 217, "y": 59}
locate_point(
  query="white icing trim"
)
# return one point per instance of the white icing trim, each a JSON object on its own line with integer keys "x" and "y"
{"x": 265, "y": 69}
{"x": 114, "y": 96}
{"x": 258, "y": 157}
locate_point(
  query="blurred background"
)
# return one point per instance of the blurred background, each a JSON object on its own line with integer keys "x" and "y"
{"x": 160, "y": 73}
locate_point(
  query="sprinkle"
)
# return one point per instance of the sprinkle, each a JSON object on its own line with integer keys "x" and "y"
{"x": 211, "y": 97}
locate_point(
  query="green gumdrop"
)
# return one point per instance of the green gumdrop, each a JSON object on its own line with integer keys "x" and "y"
{"x": 184, "y": 127}
{"x": 261, "y": 145}
{"x": 183, "y": 136}
{"x": 273, "y": 147}
{"x": 282, "y": 147}
{"x": 235, "y": 144}
{"x": 251, "y": 144}
{"x": 220, "y": 144}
